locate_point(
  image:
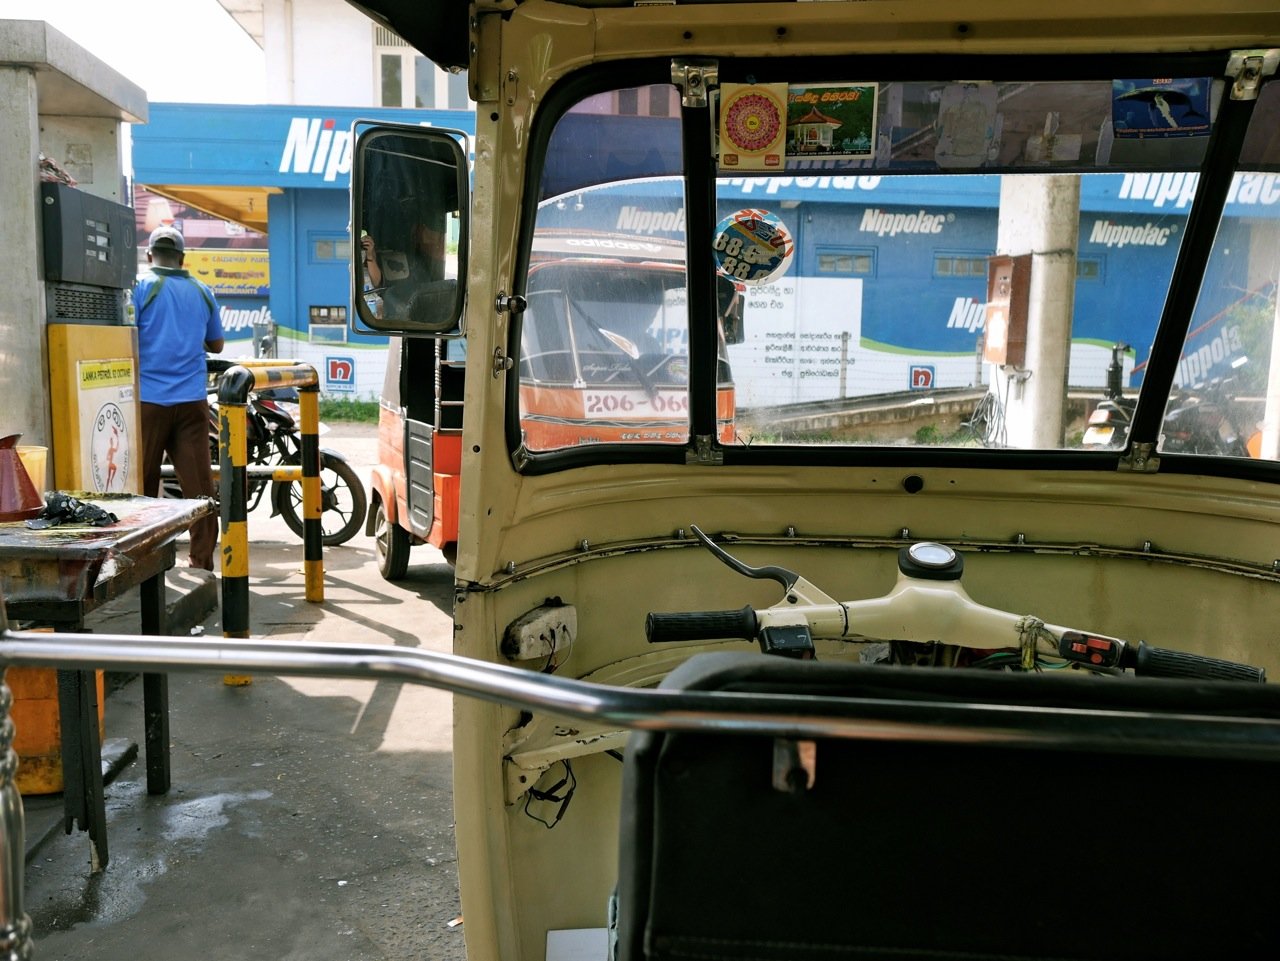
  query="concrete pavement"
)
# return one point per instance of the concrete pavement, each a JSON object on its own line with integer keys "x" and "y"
{"x": 308, "y": 818}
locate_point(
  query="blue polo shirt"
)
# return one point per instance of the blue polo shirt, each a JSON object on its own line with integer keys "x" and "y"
{"x": 176, "y": 314}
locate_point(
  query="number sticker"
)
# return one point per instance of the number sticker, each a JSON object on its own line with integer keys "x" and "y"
{"x": 753, "y": 247}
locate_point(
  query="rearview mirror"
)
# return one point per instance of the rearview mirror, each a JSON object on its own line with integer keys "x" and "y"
{"x": 409, "y": 201}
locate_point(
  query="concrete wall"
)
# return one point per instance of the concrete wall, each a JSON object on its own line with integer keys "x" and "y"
{"x": 24, "y": 380}
{"x": 318, "y": 52}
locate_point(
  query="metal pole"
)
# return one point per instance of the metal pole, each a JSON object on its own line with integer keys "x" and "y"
{"x": 233, "y": 492}
{"x": 312, "y": 535}
{"x": 15, "y": 926}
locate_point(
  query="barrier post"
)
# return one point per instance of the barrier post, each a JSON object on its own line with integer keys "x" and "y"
{"x": 312, "y": 534}
{"x": 233, "y": 494}
{"x": 234, "y": 388}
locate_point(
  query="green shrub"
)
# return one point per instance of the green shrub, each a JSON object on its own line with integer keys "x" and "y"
{"x": 349, "y": 409}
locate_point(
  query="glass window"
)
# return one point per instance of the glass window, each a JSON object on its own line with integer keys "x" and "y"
{"x": 1226, "y": 396}
{"x": 950, "y": 264}
{"x": 459, "y": 99}
{"x": 424, "y": 82}
{"x": 1088, "y": 268}
{"x": 951, "y": 185}
{"x": 861, "y": 262}
{"x": 959, "y": 265}
{"x": 391, "y": 79}
{"x": 326, "y": 249}
{"x": 605, "y": 337}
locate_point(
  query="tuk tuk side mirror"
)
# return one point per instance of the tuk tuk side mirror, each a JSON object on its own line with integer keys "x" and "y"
{"x": 409, "y": 203}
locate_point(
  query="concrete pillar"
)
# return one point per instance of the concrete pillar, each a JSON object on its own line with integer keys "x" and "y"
{"x": 1040, "y": 215}
{"x": 23, "y": 360}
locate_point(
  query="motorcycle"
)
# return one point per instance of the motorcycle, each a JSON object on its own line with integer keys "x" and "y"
{"x": 272, "y": 439}
{"x": 1110, "y": 421}
{"x": 1206, "y": 421}
{"x": 1201, "y": 420}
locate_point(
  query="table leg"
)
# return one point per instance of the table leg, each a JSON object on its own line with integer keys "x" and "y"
{"x": 155, "y": 691}
{"x": 82, "y": 793}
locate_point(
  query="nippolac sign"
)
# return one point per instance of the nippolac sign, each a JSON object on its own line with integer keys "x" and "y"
{"x": 315, "y": 145}
{"x": 340, "y": 374}
{"x": 262, "y": 146}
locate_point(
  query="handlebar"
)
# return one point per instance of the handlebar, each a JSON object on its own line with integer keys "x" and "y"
{"x": 928, "y": 606}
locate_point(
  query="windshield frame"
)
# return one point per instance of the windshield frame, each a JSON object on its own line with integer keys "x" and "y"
{"x": 1219, "y": 163}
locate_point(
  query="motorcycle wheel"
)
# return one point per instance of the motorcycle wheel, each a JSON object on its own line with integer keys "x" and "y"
{"x": 342, "y": 502}
{"x": 391, "y": 542}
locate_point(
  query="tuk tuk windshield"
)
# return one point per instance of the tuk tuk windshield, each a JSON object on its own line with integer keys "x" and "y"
{"x": 920, "y": 264}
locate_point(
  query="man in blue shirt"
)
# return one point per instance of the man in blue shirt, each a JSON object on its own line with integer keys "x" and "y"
{"x": 178, "y": 320}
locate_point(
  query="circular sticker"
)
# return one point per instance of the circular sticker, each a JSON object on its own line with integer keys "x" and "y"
{"x": 753, "y": 247}
{"x": 752, "y": 121}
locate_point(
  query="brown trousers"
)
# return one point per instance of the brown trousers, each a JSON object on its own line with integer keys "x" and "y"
{"x": 182, "y": 430}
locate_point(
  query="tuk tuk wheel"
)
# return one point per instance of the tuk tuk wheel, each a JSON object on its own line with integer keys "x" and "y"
{"x": 391, "y": 541}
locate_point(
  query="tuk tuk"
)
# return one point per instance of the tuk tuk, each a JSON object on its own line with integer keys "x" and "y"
{"x": 583, "y": 380}
{"x": 882, "y": 660}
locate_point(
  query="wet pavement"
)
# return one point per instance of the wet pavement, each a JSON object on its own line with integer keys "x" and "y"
{"x": 308, "y": 818}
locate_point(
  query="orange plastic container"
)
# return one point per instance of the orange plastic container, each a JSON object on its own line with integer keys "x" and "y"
{"x": 37, "y": 736}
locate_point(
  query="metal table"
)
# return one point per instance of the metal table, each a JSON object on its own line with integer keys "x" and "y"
{"x": 56, "y": 577}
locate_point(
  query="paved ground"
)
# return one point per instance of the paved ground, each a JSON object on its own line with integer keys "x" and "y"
{"x": 308, "y": 819}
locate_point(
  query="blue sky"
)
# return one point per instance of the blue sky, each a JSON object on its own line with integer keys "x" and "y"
{"x": 175, "y": 50}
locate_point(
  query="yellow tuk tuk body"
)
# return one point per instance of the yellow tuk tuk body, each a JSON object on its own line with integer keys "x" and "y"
{"x": 944, "y": 223}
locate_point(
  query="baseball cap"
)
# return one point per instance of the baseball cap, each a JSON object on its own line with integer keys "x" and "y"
{"x": 167, "y": 236}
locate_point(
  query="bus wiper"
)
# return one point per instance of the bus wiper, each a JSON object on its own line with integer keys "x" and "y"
{"x": 628, "y": 348}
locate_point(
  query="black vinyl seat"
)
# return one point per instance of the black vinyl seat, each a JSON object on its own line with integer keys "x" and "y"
{"x": 973, "y": 846}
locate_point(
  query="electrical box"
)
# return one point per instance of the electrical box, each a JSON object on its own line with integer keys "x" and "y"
{"x": 1008, "y": 291}
{"x": 90, "y": 255}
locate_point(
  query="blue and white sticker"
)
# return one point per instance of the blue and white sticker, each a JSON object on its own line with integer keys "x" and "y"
{"x": 753, "y": 247}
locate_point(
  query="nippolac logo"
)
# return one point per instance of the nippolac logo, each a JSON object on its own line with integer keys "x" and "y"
{"x": 314, "y": 146}
{"x": 340, "y": 371}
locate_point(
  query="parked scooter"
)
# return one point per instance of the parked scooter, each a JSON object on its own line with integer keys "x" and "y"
{"x": 1110, "y": 421}
{"x": 271, "y": 439}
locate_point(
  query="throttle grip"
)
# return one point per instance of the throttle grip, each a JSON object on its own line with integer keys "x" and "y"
{"x": 1161, "y": 662}
{"x": 702, "y": 626}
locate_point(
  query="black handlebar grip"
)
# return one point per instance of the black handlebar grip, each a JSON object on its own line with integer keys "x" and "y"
{"x": 1159, "y": 662}
{"x": 702, "y": 626}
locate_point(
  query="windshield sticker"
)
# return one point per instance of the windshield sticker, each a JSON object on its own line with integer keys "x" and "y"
{"x": 753, "y": 247}
{"x": 751, "y": 125}
{"x": 832, "y": 122}
{"x": 1160, "y": 108}
{"x": 969, "y": 126}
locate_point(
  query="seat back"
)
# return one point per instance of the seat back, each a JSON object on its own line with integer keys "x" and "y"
{"x": 978, "y": 844}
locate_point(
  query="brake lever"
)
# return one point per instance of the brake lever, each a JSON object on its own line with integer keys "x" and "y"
{"x": 798, "y": 594}
{"x": 783, "y": 576}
